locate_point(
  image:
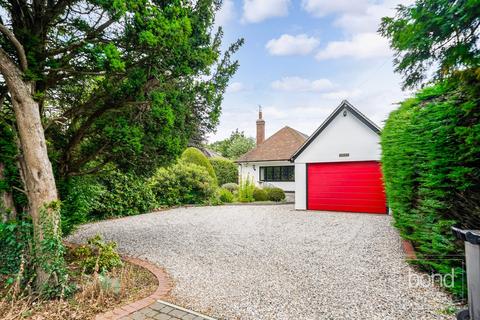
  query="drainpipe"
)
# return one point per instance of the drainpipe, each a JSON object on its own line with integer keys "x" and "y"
{"x": 472, "y": 258}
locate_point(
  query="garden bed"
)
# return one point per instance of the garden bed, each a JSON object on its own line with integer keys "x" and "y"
{"x": 94, "y": 294}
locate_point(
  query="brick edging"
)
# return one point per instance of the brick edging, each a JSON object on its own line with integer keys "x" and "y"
{"x": 408, "y": 249}
{"x": 164, "y": 287}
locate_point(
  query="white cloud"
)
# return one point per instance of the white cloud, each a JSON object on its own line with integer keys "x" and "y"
{"x": 292, "y": 45}
{"x": 297, "y": 84}
{"x": 273, "y": 112}
{"x": 235, "y": 87}
{"x": 342, "y": 94}
{"x": 360, "y": 46}
{"x": 226, "y": 13}
{"x": 322, "y": 8}
{"x": 259, "y": 10}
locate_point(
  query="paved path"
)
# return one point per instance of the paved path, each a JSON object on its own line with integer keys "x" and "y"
{"x": 162, "y": 310}
{"x": 272, "y": 262}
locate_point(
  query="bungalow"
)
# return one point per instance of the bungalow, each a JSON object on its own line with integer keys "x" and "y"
{"x": 337, "y": 168}
{"x": 269, "y": 162}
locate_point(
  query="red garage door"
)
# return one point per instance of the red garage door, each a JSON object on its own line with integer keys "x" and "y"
{"x": 346, "y": 186}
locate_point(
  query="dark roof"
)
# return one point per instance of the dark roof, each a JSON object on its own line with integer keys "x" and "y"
{"x": 343, "y": 105}
{"x": 280, "y": 146}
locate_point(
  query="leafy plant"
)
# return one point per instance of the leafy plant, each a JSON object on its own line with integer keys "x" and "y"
{"x": 260, "y": 194}
{"x": 225, "y": 195}
{"x": 275, "y": 194}
{"x": 183, "y": 183}
{"x": 246, "y": 190}
{"x": 431, "y": 167}
{"x": 98, "y": 255}
{"x": 225, "y": 170}
{"x": 195, "y": 156}
{"x": 232, "y": 187}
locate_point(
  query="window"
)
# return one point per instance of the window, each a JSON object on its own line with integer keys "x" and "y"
{"x": 279, "y": 173}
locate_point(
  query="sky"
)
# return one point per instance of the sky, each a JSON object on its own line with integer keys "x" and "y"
{"x": 301, "y": 58}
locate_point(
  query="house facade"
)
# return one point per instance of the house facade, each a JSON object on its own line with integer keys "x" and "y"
{"x": 268, "y": 164}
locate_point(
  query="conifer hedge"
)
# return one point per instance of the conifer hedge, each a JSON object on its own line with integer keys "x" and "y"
{"x": 431, "y": 166}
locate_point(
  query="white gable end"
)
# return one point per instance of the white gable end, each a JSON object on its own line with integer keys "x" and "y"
{"x": 345, "y": 138}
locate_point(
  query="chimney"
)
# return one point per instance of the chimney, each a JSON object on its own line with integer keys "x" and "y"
{"x": 260, "y": 127}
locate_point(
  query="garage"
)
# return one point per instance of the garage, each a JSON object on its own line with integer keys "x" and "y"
{"x": 338, "y": 167}
{"x": 347, "y": 186}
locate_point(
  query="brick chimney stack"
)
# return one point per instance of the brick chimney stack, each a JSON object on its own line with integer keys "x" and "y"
{"x": 260, "y": 127}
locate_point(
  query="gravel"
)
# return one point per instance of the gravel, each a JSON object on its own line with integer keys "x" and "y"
{"x": 272, "y": 262}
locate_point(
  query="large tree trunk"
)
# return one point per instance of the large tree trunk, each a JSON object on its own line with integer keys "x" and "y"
{"x": 7, "y": 207}
{"x": 36, "y": 167}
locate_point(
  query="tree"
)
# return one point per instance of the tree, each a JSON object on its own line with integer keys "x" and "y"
{"x": 234, "y": 146}
{"x": 123, "y": 82}
{"x": 441, "y": 35}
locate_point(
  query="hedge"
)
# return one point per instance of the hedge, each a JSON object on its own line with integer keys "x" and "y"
{"x": 431, "y": 167}
{"x": 195, "y": 156}
{"x": 225, "y": 170}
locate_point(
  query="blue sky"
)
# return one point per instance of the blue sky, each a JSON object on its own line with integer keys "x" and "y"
{"x": 302, "y": 58}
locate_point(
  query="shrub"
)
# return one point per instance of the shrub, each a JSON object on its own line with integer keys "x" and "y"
{"x": 195, "y": 156}
{"x": 225, "y": 195}
{"x": 124, "y": 194}
{"x": 260, "y": 195}
{"x": 225, "y": 170}
{"x": 245, "y": 190}
{"x": 183, "y": 183}
{"x": 15, "y": 238}
{"x": 275, "y": 194}
{"x": 98, "y": 255}
{"x": 431, "y": 167}
{"x": 232, "y": 187}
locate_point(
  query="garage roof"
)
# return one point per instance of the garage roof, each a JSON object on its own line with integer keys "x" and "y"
{"x": 279, "y": 147}
{"x": 344, "y": 105}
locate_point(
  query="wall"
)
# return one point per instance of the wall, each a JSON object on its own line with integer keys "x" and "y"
{"x": 252, "y": 170}
{"x": 343, "y": 135}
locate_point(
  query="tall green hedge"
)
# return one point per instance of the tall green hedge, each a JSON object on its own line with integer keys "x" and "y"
{"x": 225, "y": 170}
{"x": 195, "y": 156}
{"x": 431, "y": 166}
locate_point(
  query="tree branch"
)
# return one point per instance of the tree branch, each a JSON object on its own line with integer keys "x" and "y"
{"x": 22, "y": 57}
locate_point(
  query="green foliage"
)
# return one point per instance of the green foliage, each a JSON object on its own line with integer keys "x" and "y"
{"x": 275, "y": 194}
{"x": 431, "y": 166}
{"x": 225, "y": 170}
{"x": 110, "y": 194}
{"x": 49, "y": 253}
{"x": 260, "y": 194}
{"x": 195, "y": 156}
{"x": 15, "y": 242}
{"x": 235, "y": 146}
{"x": 232, "y": 187}
{"x": 246, "y": 190}
{"x": 225, "y": 195}
{"x": 442, "y": 34}
{"x": 183, "y": 183}
{"x": 98, "y": 255}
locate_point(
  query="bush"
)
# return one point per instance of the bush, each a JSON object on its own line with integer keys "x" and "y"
{"x": 183, "y": 183}
{"x": 431, "y": 167}
{"x": 245, "y": 191}
{"x": 260, "y": 195}
{"x": 225, "y": 195}
{"x": 225, "y": 170}
{"x": 16, "y": 239}
{"x": 232, "y": 187}
{"x": 195, "y": 156}
{"x": 98, "y": 255}
{"x": 275, "y": 194}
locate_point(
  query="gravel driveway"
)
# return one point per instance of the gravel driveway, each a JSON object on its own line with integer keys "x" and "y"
{"x": 272, "y": 262}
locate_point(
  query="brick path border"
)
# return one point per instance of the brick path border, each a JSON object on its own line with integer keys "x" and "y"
{"x": 163, "y": 288}
{"x": 408, "y": 249}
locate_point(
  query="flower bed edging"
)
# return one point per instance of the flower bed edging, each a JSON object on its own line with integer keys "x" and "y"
{"x": 164, "y": 287}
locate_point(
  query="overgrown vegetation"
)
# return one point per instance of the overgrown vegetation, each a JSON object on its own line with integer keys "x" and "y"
{"x": 245, "y": 191}
{"x": 431, "y": 164}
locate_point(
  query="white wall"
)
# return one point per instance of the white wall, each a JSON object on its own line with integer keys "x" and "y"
{"x": 343, "y": 135}
{"x": 252, "y": 171}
